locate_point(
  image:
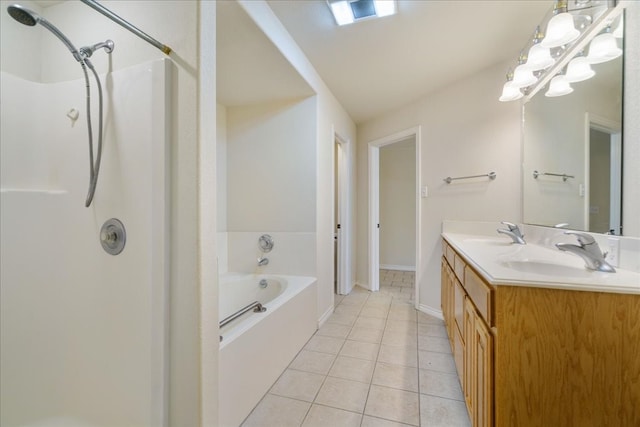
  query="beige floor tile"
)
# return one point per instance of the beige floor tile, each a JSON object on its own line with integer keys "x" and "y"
{"x": 428, "y": 343}
{"x": 432, "y": 330}
{"x": 375, "y": 311}
{"x": 360, "y": 350}
{"x": 400, "y": 339}
{"x": 401, "y": 326}
{"x": 334, "y": 330}
{"x": 298, "y": 385}
{"x": 370, "y": 322}
{"x": 427, "y": 318}
{"x": 369, "y": 421}
{"x": 350, "y": 310}
{"x": 396, "y": 376}
{"x": 351, "y": 368}
{"x": 342, "y": 319}
{"x": 404, "y": 356}
{"x": 312, "y": 361}
{"x": 365, "y": 334}
{"x": 277, "y": 411}
{"x": 324, "y": 344}
{"x": 439, "y": 412}
{"x": 440, "y": 384}
{"x": 395, "y": 405}
{"x": 402, "y": 314}
{"x": 440, "y": 362}
{"x": 324, "y": 416}
{"x": 343, "y": 394}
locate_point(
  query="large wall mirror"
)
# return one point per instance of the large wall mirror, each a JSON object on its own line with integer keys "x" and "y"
{"x": 572, "y": 152}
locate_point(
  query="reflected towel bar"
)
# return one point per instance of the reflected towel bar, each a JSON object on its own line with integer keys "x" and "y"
{"x": 564, "y": 176}
{"x": 490, "y": 175}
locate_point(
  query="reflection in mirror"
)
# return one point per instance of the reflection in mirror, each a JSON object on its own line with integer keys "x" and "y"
{"x": 573, "y": 154}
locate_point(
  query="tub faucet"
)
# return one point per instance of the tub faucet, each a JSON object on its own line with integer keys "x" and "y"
{"x": 263, "y": 261}
{"x": 513, "y": 231}
{"x": 589, "y": 251}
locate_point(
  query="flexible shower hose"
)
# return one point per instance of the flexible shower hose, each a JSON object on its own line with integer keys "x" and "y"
{"x": 94, "y": 166}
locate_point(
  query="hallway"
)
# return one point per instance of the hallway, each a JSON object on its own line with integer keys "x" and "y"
{"x": 376, "y": 362}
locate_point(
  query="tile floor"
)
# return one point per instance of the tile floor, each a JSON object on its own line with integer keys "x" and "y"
{"x": 376, "y": 362}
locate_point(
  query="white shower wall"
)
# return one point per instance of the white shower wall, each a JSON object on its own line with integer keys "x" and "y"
{"x": 84, "y": 333}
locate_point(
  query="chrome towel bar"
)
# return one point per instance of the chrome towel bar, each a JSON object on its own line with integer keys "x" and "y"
{"x": 490, "y": 175}
{"x": 256, "y": 306}
{"x": 564, "y": 176}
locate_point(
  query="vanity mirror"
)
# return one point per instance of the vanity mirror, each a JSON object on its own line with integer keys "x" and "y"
{"x": 572, "y": 132}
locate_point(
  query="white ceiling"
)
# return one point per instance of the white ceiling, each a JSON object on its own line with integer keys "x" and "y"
{"x": 376, "y": 66}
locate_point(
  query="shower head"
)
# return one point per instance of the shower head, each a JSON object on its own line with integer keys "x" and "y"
{"x": 30, "y": 18}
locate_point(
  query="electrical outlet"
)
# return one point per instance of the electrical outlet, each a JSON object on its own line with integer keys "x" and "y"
{"x": 613, "y": 254}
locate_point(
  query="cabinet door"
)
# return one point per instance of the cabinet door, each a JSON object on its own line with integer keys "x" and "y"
{"x": 483, "y": 344}
{"x": 468, "y": 383}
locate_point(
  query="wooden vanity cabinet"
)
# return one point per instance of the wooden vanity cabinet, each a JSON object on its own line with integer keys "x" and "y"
{"x": 536, "y": 356}
{"x": 470, "y": 337}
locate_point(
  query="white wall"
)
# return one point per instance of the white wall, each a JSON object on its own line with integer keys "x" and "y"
{"x": 465, "y": 131}
{"x": 398, "y": 205}
{"x": 331, "y": 118}
{"x": 175, "y": 23}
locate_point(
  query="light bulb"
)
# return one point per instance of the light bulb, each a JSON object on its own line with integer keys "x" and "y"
{"x": 560, "y": 31}
{"x": 510, "y": 93}
{"x": 603, "y": 48}
{"x": 559, "y": 86}
{"x": 579, "y": 70}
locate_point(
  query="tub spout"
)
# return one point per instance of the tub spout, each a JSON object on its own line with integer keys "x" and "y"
{"x": 263, "y": 261}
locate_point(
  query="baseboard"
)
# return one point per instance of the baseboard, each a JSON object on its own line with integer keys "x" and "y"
{"x": 397, "y": 267}
{"x": 363, "y": 286}
{"x": 325, "y": 317}
{"x": 431, "y": 311}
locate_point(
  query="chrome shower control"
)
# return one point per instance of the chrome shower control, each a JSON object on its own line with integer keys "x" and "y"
{"x": 113, "y": 236}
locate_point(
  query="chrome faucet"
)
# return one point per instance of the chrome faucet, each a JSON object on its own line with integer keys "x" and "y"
{"x": 263, "y": 261}
{"x": 513, "y": 232}
{"x": 588, "y": 250}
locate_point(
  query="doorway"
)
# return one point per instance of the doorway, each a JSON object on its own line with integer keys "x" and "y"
{"x": 375, "y": 224}
{"x": 342, "y": 215}
{"x": 604, "y": 176}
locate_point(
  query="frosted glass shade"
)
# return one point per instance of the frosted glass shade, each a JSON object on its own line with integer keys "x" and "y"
{"x": 539, "y": 58}
{"x": 603, "y": 48}
{"x": 579, "y": 69}
{"x": 559, "y": 86}
{"x": 510, "y": 93}
{"x": 560, "y": 31}
{"x": 523, "y": 77}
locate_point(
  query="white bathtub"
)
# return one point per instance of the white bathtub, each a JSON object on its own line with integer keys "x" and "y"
{"x": 256, "y": 348}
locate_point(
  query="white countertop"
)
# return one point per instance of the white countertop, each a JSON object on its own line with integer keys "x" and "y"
{"x": 501, "y": 262}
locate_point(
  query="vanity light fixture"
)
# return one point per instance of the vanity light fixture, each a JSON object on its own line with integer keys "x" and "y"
{"x": 539, "y": 57}
{"x": 559, "y": 86}
{"x": 603, "y": 48}
{"x": 549, "y": 54}
{"x": 509, "y": 91}
{"x": 561, "y": 28}
{"x": 349, "y": 11}
{"x": 579, "y": 69}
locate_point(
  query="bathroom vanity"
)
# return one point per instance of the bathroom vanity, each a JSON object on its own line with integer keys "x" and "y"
{"x": 539, "y": 340}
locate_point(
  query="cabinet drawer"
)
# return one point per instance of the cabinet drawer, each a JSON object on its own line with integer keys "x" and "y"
{"x": 480, "y": 294}
{"x": 449, "y": 254}
{"x": 458, "y": 267}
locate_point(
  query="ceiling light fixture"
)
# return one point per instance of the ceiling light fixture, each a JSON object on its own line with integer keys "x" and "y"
{"x": 509, "y": 91}
{"x": 539, "y": 57}
{"x": 578, "y": 70}
{"x": 559, "y": 86}
{"x": 603, "y": 48}
{"x": 523, "y": 75}
{"x": 349, "y": 11}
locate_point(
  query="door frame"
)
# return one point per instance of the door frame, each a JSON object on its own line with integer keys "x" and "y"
{"x": 614, "y": 129}
{"x": 374, "y": 205}
{"x": 343, "y": 173}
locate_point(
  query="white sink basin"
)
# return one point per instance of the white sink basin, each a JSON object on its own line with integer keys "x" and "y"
{"x": 546, "y": 268}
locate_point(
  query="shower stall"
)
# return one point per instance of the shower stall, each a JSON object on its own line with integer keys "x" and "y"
{"x": 83, "y": 331}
